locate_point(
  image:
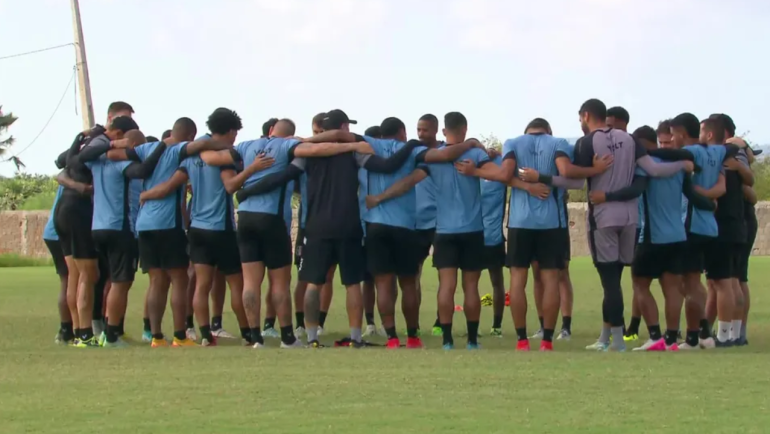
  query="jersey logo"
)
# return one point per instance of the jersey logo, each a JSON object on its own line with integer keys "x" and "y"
{"x": 614, "y": 146}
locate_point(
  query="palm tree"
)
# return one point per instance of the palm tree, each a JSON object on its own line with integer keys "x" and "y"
{"x": 5, "y": 122}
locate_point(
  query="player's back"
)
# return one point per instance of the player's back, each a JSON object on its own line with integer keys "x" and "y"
{"x": 165, "y": 213}
{"x": 332, "y": 191}
{"x": 458, "y": 199}
{"x": 493, "y": 208}
{"x": 211, "y": 205}
{"x": 400, "y": 211}
{"x": 709, "y": 159}
{"x": 112, "y": 198}
{"x": 660, "y": 210}
{"x": 277, "y": 148}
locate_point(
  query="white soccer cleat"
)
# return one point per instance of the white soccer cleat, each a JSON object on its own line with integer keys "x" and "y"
{"x": 258, "y": 346}
{"x": 320, "y": 331}
{"x": 297, "y": 344}
{"x": 537, "y": 335}
{"x": 706, "y": 344}
{"x": 207, "y": 343}
{"x": 270, "y": 333}
{"x": 222, "y": 333}
{"x": 190, "y": 333}
{"x": 371, "y": 330}
{"x": 299, "y": 331}
{"x": 687, "y": 347}
{"x": 564, "y": 335}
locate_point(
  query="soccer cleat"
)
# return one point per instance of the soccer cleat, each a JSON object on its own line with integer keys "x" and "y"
{"x": 60, "y": 340}
{"x": 496, "y": 333}
{"x": 120, "y": 343}
{"x": 741, "y": 342}
{"x": 684, "y": 346}
{"x": 102, "y": 339}
{"x": 74, "y": 343}
{"x": 507, "y": 299}
{"x": 546, "y": 346}
{"x": 315, "y": 344}
{"x": 297, "y": 344}
{"x": 672, "y": 347}
{"x": 437, "y": 331}
{"x": 93, "y": 342}
{"x": 631, "y": 338}
{"x": 708, "y": 343}
{"x": 413, "y": 343}
{"x": 538, "y": 334}
{"x": 246, "y": 342}
{"x": 618, "y": 347}
{"x": 98, "y": 326}
{"x": 394, "y": 344}
{"x": 720, "y": 344}
{"x": 419, "y": 333}
{"x": 270, "y": 333}
{"x": 320, "y": 331}
{"x": 357, "y": 344}
{"x": 651, "y": 345}
{"x": 448, "y": 346}
{"x": 487, "y": 300}
{"x": 470, "y": 346}
{"x": 147, "y": 336}
{"x": 522, "y": 345}
{"x": 564, "y": 335}
{"x": 190, "y": 333}
{"x": 187, "y": 342}
{"x": 258, "y": 345}
{"x": 299, "y": 331}
{"x": 158, "y": 343}
{"x": 371, "y": 330}
{"x": 598, "y": 346}
{"x": 209, "y": 343}
{"x": 222, "y": 333}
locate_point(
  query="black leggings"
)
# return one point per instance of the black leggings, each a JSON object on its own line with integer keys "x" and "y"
{"x": 612, "y": 306}
{"x": 99, "y": 288}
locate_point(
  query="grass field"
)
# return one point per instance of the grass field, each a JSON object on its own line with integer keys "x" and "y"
{"x": 229, "y": 389}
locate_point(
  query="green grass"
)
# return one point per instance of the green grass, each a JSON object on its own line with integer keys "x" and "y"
{"x": 229, "y": 389}
{"x": 12, "y": 261}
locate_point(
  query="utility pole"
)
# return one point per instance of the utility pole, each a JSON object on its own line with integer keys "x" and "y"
{"x": 86, "y": 105}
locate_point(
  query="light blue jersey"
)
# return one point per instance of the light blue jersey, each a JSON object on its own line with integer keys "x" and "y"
{"x": 493, "y": 208}
{"x": 710, "y": 160}
{"x": 165, "y": 213}
{"x": 112, "y": 196}
{"x": 49, "y": 232}
{"x": 211, "y": 207}
{"x": 660, "y": 210}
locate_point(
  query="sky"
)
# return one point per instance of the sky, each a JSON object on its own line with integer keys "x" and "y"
{"x": 500, "y": 62}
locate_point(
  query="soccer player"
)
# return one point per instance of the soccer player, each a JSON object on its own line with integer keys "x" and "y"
{"x": 370, "y": 297}
{"x": 661, "y": 247}
{"x": 618, "y": 118}
{"x": 162, "y": 241}
{"x": 267, "y": 126}
{"x": 212, "y": 236}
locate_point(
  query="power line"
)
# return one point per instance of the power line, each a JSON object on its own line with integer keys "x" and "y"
{"x": 36, "y": 51}
{"x": 64, "y": 94}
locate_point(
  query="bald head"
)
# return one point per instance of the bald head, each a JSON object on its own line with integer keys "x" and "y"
{"x": 184, "y": 130}
{"x": 135, "y": 138}
{"x": 283, "y": 128}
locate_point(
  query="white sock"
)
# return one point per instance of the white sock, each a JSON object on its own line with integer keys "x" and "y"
{"x": 723, "y": 331}
{"x": 735, "y": 333}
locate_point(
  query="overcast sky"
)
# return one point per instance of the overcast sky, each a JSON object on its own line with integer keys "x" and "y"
{"x": 500, "y": 62}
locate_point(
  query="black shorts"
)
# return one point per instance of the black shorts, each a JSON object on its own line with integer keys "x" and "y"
{"x": 694, "y": 258}
{"x": 720, "y": 258}
{"x": 164, "y": 249}
{"x": 494, "y": 256}
{"x": 546, "y": 246}
{"x": 72, "y": 221}
{"x": 119, "y": 250}
{"x": 743, "y": 263}
{"x": 463, "y": 251}
{"x": 319, "y": 255}
{"x": 567, "y": 245}
{"x": 215, "y": 248}
{"x": 58, "y": 257}
{"x": 652, "y": 260}
{"x": 424, "y": 239}
{"x": 299, "y": 242}
{"x": 263, "y": 237}
{"x": 391, "y": 250}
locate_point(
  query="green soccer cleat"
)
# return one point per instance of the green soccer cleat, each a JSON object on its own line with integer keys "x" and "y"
{"x": 496, "y": 333}
{"x": 631, "y": 338}
{"x": 437, "y": 331}
{"x": 88, "y": 343}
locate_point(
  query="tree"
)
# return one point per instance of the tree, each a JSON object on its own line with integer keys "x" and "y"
{"x": 5, "y": 122}
{"x": 492, "y": 142}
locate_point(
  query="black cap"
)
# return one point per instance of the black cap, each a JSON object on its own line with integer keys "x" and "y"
{"x": 334, "y": 120}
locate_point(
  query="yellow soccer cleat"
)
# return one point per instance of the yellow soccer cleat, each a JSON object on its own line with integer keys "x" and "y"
{"x": 184, "y": 343}
{"x": 159, "y": 343}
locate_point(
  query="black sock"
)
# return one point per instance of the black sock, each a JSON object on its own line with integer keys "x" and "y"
{"x": 391, "y": 332}
{"x": 147, "y": 327}
{"x": 369, "y": 318}
{"x": 633, "y": 328}
{"x": 256, "y": 336}
{"x": 654, "y": 332}
{"x": 322, "y": 318}
{"x": 566, "y": 323}
{"x": 86, "y": 333}
{"x": 473, "y": 331}
{"x": 692, "y": 338}
{"x": 269, "y": 323}
{"x": 411, "y": 332}
{"x": 206, "y": 333}
{"x": 157, "y": 336}
{"x": 548, "y": 335}
{"x": 112, "y": 333}
{"x": 121, "y": 327}
{"x": 521, "y": 333}
{"x": 671, "y": 336}
{"x": 300, "y": 317}
{"x": 216, "y": 322}
{"x": 540, "y": 318}
{"x": 180, "y": 335}
{"x": 705, "y": 329}
{"x": 287, "y": 335}
{"x": 188, "y": 323}
{"x": 66, "y": 331}
{"x": 497, "y": 322}
{"x": 437, "y": 323}
{"x": 246, "y": 334}
{"x": 446, "y": 331}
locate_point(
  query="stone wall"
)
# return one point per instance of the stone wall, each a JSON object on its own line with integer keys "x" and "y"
{"x": 21, "y": 232}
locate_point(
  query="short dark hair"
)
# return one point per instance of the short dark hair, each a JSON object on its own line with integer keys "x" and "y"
{"x": 268, "y": 125}
{"x": 689, "y": 122}
{"x": 391, "y": 126}
{"x": 664, "y": 127}
{"x": 715, "y": 126}
{"x": 166, "y": 134}
{"x": 292, "y": 127}
{"x": 727, "y": 121}
{"x": 619, "y": 113}
{"x": 595, "y": 108}
{"x": 375, "y": 132}
{"x": 453, "y": 121}
{"x": 538, "y": 123}
{"x": 430, "y": 118}
{"x": 647, "y": 133}
{"x": 183, "y": 128}
{"x": 151, "y": 139}
{"x": 124, "y": 124}
{"x": 223, "y": 120}
{"x": 119, "y": 106}
{"x": 319, "y": 119}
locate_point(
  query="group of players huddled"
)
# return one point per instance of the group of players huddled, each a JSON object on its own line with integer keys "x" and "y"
{"x": 672, "y": 203}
